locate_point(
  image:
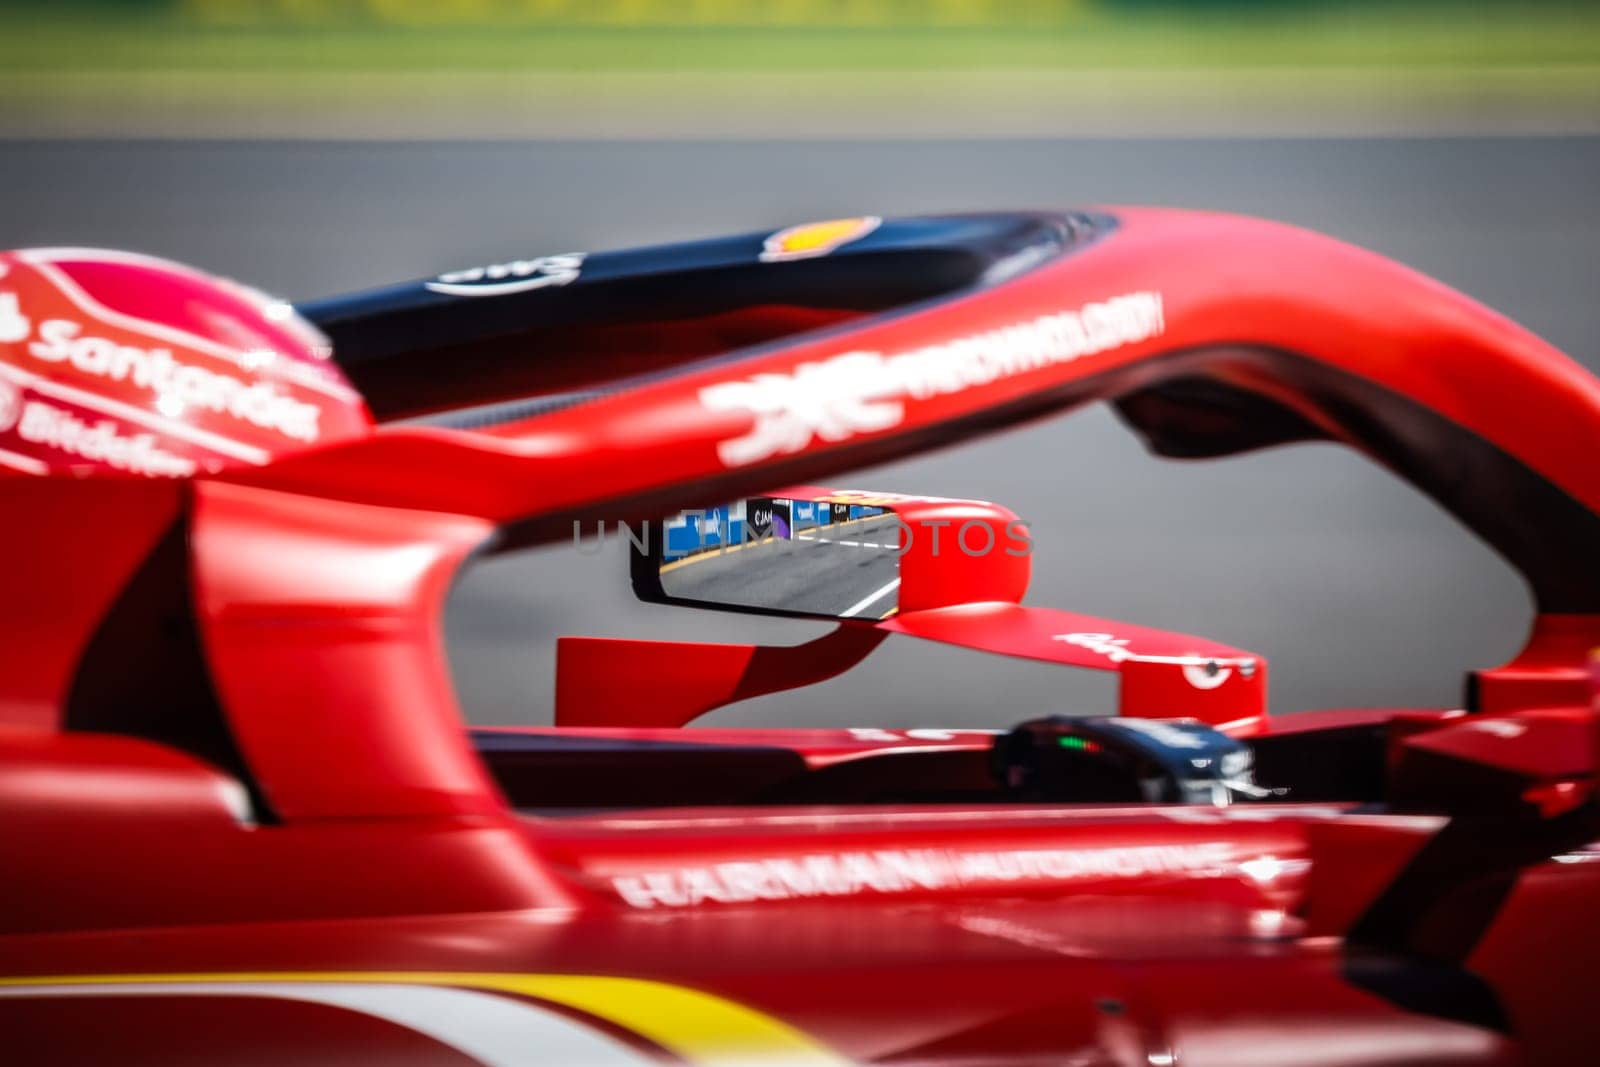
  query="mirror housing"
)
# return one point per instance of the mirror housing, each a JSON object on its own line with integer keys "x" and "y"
{"x": 962, "y": 573}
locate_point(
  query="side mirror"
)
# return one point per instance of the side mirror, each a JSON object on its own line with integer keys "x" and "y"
{"x": 824, "y": 553}
{"x": 948, "y": 571}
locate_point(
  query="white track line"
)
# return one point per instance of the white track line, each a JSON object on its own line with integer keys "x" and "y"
{"x": 859, "y": 605}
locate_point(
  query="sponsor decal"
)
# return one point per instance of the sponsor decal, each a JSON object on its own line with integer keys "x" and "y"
{"x": 865, "y": 392}
{"x": 890, "y": 871}
{"x": 517, "y": 276}
{"x": 101, "y": 441}
{"x": 10, "y": 405}
{"x": 14, "y": 325}
{"x": 814, "y": 239}
{"x": 758, "y": 519}
{"x": 179, "y": 387}
{"x": 1202, "y": 672}
{"x": 1207, "y": 675}
{"x": 1114, "y": 649}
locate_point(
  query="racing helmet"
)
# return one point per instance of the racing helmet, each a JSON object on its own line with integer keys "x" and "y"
{"x": 118, "y": 363}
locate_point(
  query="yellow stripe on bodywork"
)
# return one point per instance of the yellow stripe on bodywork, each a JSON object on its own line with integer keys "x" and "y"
{"x": 699, "y": 1027}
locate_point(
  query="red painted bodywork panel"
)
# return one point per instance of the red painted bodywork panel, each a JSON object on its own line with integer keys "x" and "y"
{"x": 64, "y": 576}
{"x": 598, "y": 679}
{"x": 282, "y": 580}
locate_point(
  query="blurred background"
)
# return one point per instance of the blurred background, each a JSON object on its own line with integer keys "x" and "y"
{"x": 317, "y": 146}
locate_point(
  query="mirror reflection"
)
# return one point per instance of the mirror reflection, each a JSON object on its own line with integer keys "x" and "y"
{"x": 828, "y": 557}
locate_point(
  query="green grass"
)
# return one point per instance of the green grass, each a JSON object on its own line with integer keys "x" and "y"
{"x": 1431, "y": 36}
{"x": 119, "y": 73}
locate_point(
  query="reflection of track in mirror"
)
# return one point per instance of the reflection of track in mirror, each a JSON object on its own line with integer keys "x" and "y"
{"x": 846, "y": 570}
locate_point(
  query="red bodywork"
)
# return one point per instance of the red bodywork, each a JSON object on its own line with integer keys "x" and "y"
{"x": 241, "y": 819}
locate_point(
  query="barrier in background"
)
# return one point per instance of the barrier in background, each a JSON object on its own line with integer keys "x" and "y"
{"x": 704, "y": 529}
{"x": 701, "y": 529}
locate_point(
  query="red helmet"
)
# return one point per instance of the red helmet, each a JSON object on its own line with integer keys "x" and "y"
{"x": 117, "y": 362}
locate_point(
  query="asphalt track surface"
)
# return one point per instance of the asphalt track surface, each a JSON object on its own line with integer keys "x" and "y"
{"x": 849, "y": 571}
{"x": 1356, "y": 589}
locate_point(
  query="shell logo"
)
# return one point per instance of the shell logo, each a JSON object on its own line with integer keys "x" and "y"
{"x": 816, "y": 238}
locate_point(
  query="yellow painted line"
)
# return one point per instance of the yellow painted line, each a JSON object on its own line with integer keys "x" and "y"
{"x": 709, "y": 552}
{"x": 700, "y": 1027}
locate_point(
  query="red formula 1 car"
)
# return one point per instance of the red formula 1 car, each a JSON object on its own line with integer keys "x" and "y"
{"x": 241, "y": 819}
